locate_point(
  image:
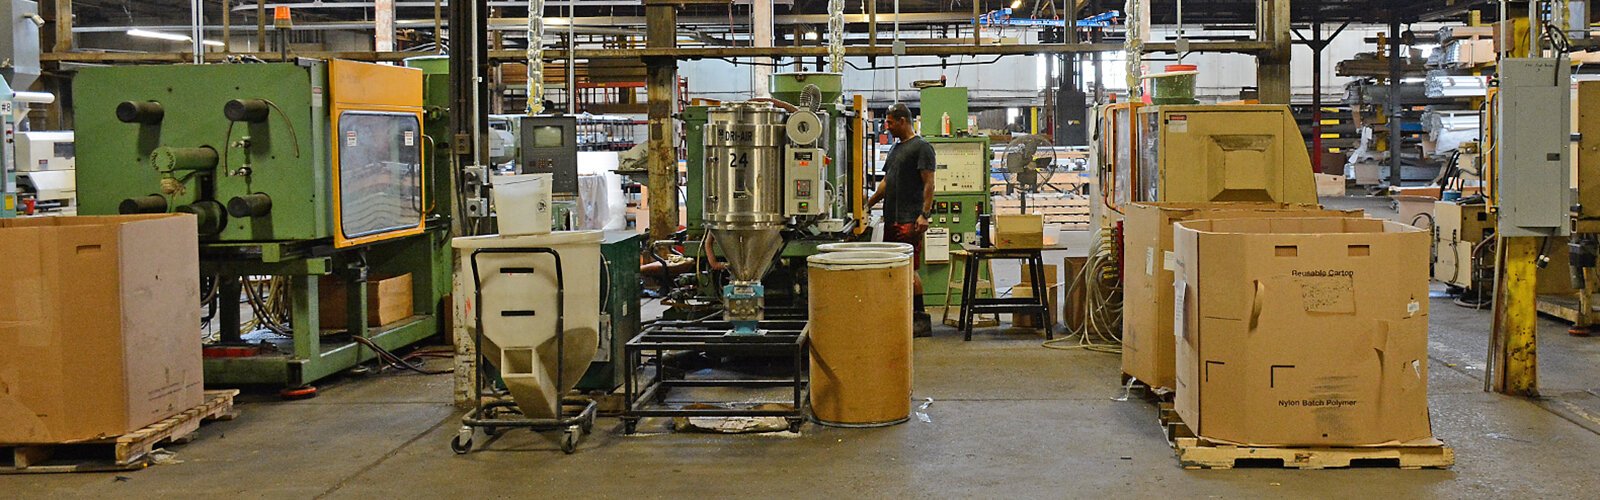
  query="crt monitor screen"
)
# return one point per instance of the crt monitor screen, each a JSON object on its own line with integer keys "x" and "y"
{"x": 549, "y": 136}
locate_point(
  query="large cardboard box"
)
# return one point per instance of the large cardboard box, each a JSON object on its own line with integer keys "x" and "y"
{"x": 1147, "y": 342}
{"x": 1303, "y": 332}
{"x": 1025, "y": 290}
{"x": 388, "y": 301}
{"x": 1018, "y": 231}
{"x": 99, "y": 325}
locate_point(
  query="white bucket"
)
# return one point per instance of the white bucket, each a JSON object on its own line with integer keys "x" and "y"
{"x": 867, "y": 246}
{"x": 522, "y": 203}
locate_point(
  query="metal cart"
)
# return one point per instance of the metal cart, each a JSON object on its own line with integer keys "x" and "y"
{"x": 494, "y": 416}
{"x": 646, "y": 395}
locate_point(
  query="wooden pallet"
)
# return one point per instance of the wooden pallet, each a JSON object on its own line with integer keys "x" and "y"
{"x": 1199, "y": 453}
{"x": 126, "y": 452}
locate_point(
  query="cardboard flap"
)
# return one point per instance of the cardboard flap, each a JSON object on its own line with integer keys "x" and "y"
{"x": 1378, "y": 337}
{"x": 1258, "y": 295}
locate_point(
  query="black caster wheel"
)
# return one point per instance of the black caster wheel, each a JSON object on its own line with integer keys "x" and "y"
{"x": 493, "y": 431}
{"x": 587, "y": 426}
{"x": 795, "y": 423}
{"x": 630, "y": 426}
{"x": 460, "y": 446}
{"x": 569, "y": 440}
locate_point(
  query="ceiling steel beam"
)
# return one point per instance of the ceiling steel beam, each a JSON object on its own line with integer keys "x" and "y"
{"x": 680, "y": 52}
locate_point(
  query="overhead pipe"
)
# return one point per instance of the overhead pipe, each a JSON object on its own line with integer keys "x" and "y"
{"x": 197, "y": 23}
{"x": 594, "y": 22}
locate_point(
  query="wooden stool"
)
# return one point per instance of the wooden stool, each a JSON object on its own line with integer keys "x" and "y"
{"x": 972, "y": 305}
{"x": 953, "y": 282}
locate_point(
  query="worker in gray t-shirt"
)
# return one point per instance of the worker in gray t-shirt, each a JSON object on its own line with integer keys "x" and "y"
{"x": 907, "y": 189}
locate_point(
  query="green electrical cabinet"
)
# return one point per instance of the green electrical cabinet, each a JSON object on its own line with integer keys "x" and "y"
{"x": 960, "y": 193}
{"x": 619, "y": 308}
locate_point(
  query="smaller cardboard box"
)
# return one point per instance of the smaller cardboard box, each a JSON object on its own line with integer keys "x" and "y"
{"x": 99, "y": 325}
{"x": 1025, "y": 290}
{"x": 1018, "y": 231}
{"x": 388, "y": 301}
{"x": 1330, "y": 185}
{"x": 1303, "y": 332}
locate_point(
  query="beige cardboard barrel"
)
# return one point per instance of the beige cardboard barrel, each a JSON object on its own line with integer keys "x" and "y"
{"x": 867, "y": 246}
{"x": 860, "y": 338}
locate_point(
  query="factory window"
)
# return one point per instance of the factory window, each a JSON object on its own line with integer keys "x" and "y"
{"x": 380, "y": 172}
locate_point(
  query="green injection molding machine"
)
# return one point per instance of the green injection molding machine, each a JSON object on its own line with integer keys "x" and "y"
{"x": 293, "y": 171}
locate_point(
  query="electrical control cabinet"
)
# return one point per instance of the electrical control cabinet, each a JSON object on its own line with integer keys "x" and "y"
{"x": 549, "y": 145}
{"x": 1533, "y": 136}
{"x": 960, "y": 191}
{"x": 802, "y": 181}
{"x": 961, "y": 166}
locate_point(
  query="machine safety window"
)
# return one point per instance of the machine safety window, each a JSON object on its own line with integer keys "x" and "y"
{"x": 380, "y": 172}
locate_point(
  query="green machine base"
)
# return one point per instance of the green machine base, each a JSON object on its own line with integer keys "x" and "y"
{"x": 304, "y": 358}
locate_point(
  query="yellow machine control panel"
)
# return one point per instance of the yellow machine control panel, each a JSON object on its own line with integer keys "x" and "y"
{"x": 962, "y": 167}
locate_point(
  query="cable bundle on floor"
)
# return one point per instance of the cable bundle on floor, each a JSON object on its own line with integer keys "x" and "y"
{"x": 1102, "y": 316}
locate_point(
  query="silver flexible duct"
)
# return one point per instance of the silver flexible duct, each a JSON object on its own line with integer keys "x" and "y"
{"x": 1133, "y": 46}
{"x": 836, "y": 36}
{"x": 536, "y": 57}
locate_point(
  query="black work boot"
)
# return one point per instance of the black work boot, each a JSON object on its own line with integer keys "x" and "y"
{"x": 921, "y": 325}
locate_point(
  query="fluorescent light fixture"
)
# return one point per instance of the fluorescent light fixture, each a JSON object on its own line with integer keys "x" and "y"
{"x": 811, "y": 35}
{"x": 1016, "y": 3}
{"x": 173, "y": 37}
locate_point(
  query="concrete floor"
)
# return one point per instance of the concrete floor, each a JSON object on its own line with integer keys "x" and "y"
{"x": 1009, "y": 419}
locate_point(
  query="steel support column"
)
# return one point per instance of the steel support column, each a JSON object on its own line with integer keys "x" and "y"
{"x": 1514, "y": 343}
{"x": 1272, "y": 65}
{"x": 661, "y": 77}
{"x": 1071, "y": 113}
{"x": 469, "y": 92}
{"x": 383, "y": 25}
{"x": 1316, "y": 93}
{"x": 1396, "y": 114}
{"x": 762, "y": 35}
{"x": 1318, "y": 44}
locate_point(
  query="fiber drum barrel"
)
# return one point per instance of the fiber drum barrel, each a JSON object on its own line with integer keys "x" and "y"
{"x": 860, "y": 338}
{"x": 867, "y": 246}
